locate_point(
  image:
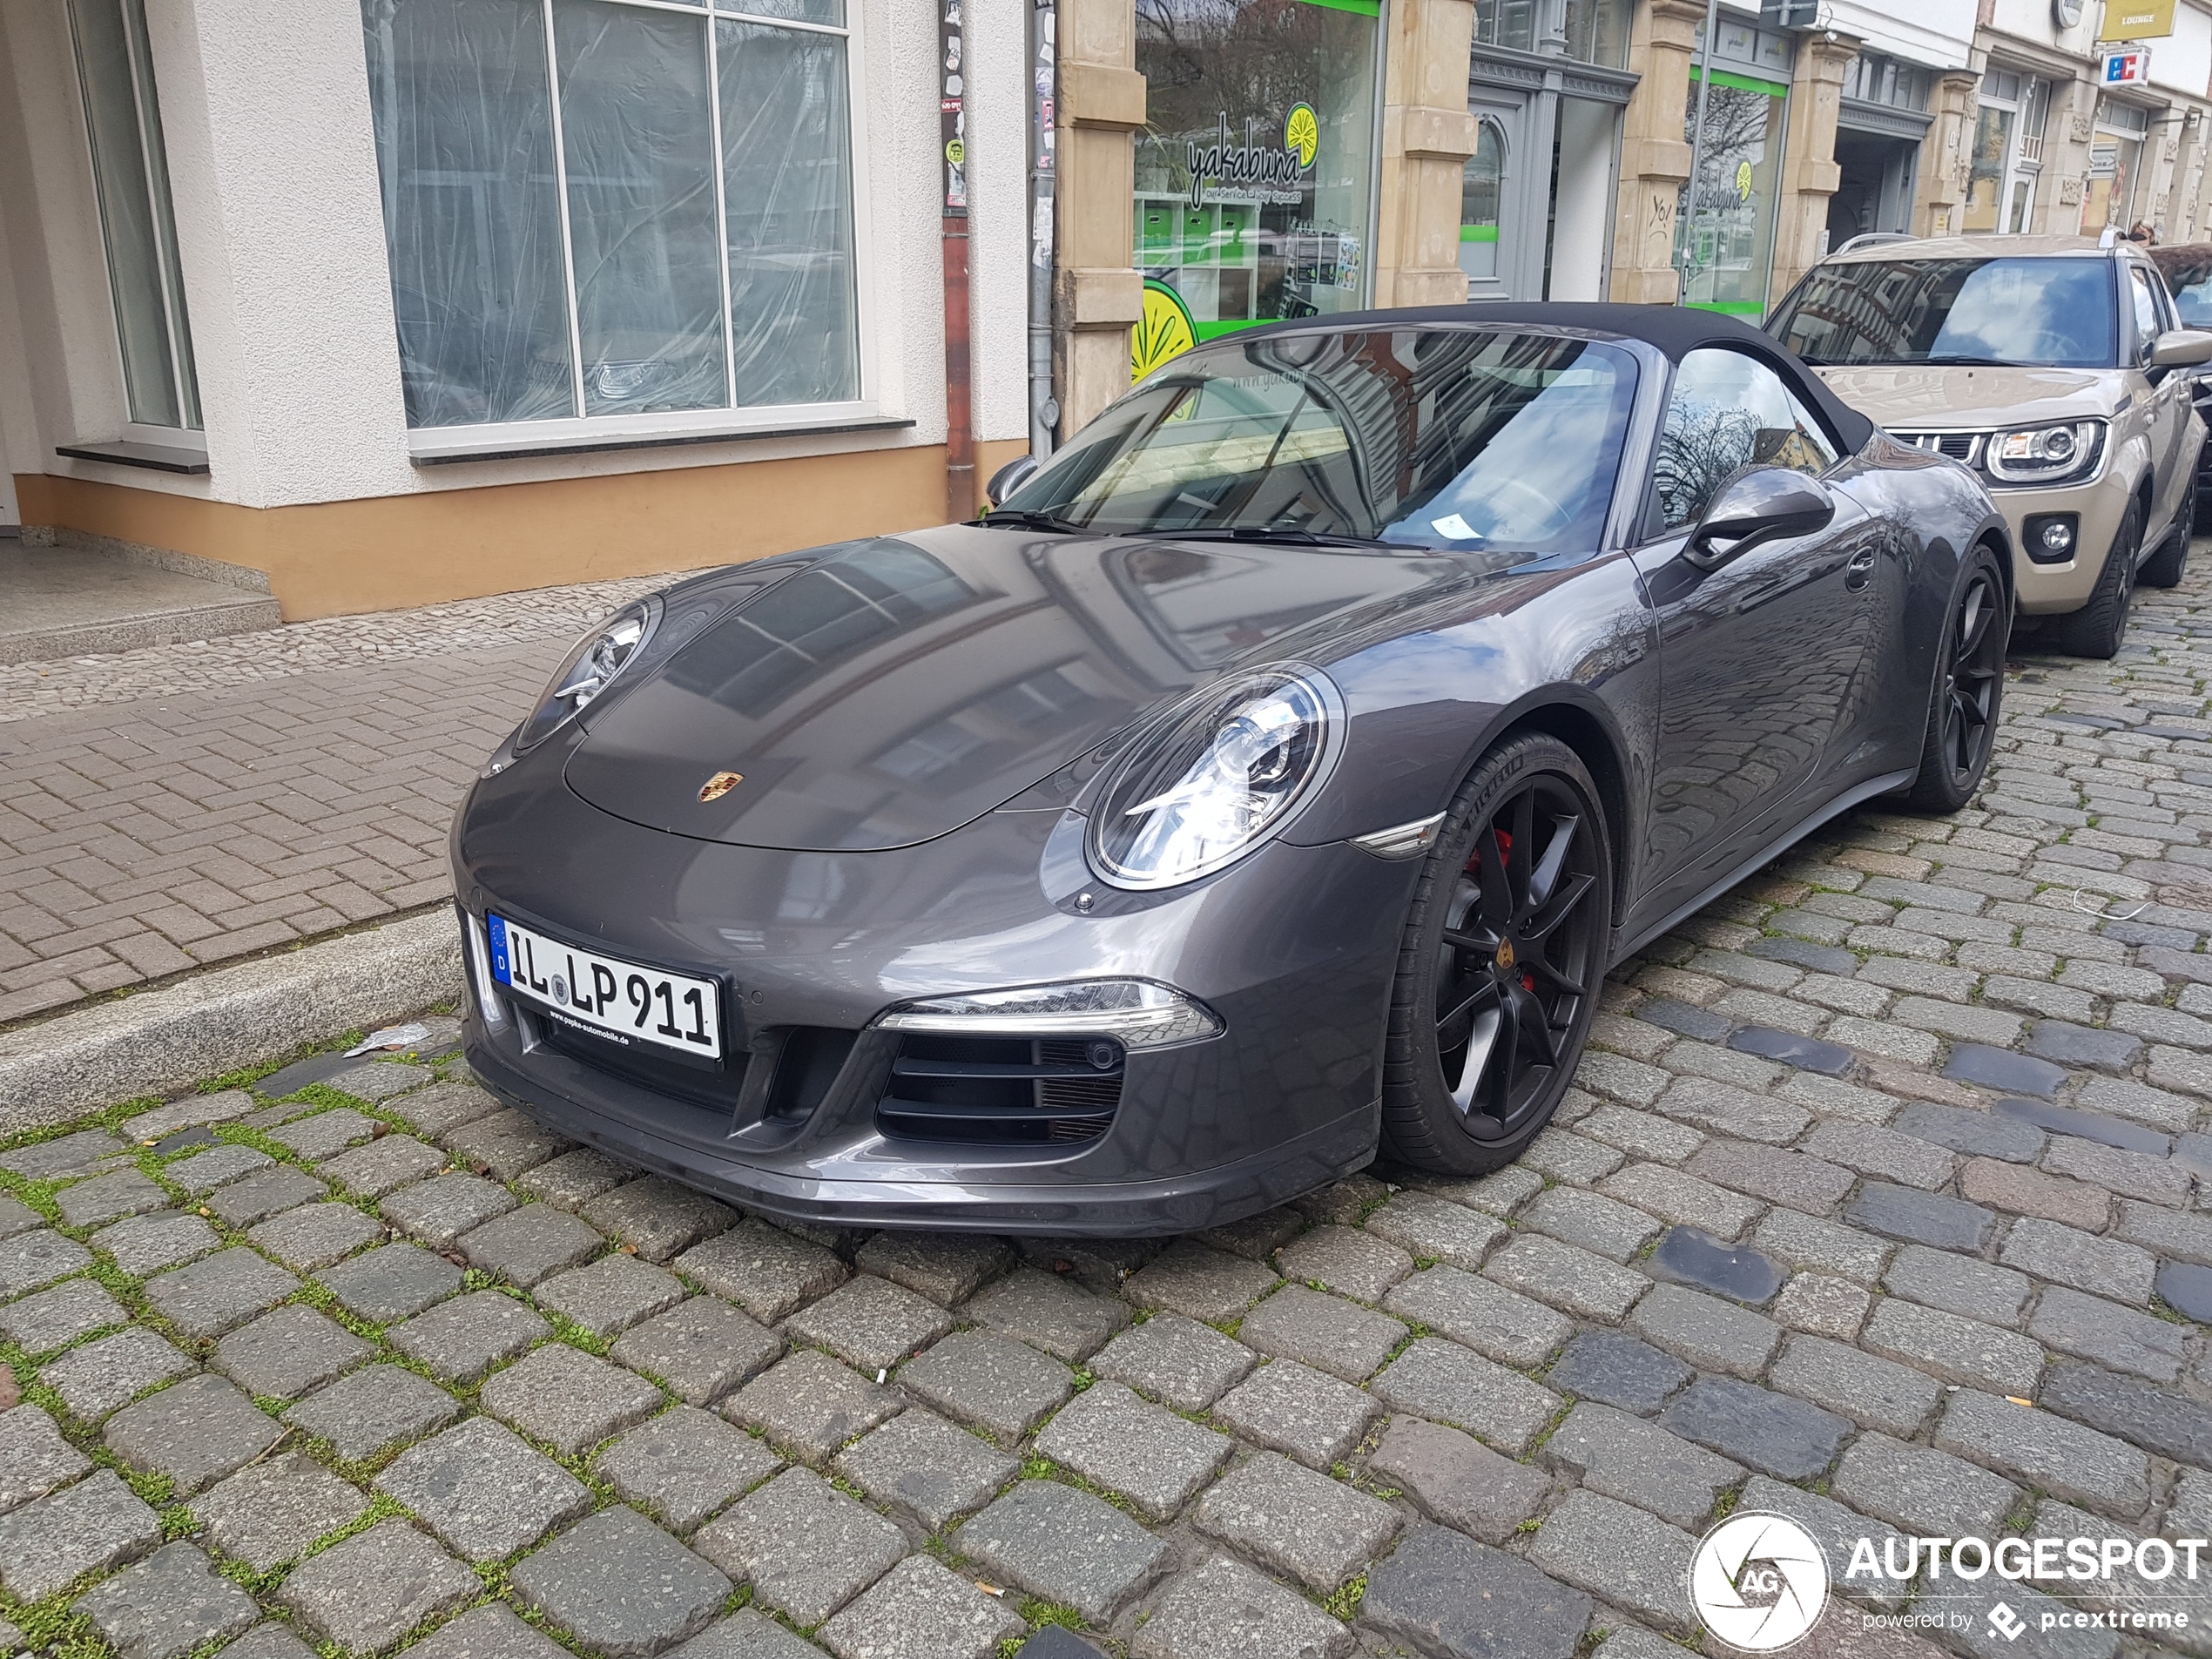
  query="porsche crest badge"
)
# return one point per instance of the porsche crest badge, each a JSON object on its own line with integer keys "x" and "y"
{"x": 718, "y": 786}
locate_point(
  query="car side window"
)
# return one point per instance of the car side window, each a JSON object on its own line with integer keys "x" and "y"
{"x": 2146, "y": 312}
{"x": 2192, "y": 287}
{"x": 1728, "y": 412}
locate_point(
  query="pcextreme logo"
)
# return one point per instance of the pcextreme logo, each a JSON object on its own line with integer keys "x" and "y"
{"x": 1759, "y": 1581}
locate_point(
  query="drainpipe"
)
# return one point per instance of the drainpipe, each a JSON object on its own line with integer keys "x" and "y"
{"x": 959, "y": 432}
{"x": 1044, "y": 409}
{"x": 1698, "y": 148}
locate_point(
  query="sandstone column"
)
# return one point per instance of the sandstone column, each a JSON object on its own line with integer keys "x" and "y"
{"x": 1427, "y": 137}
{"x": 1654, "y": 158}
{"x": 1097, "y": 293}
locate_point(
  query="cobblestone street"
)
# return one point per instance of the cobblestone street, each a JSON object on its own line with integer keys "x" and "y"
{"x": 1883, "y": 1202}
{"x": 165, "y": 808}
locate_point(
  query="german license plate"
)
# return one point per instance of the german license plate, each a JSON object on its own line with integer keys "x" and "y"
{"x": 625, "y": 1001}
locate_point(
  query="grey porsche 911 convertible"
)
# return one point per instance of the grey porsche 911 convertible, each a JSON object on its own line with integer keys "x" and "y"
{"x": 1269, "y": 782}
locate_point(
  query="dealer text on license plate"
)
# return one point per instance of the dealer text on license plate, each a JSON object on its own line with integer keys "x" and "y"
{"x": 613, "y": 998}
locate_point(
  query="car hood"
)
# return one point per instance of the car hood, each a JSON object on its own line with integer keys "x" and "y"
{"x": 899, "y": 688}
{"x": 1909, "y": 398}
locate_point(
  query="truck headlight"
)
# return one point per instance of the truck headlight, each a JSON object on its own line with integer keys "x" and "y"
{"x": 2045, "y": 455}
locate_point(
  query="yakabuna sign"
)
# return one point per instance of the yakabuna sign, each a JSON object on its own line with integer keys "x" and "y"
{"x": 2152, "y": 1559}
{"x": 1270, "y": 174}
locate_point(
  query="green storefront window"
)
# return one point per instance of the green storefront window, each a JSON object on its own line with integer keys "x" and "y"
{"x": 1256, "y": 174}
{"x": 1479, "y": 207}
{"x": 1725, "y": 235}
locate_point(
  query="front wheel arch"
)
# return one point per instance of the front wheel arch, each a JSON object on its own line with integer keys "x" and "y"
{"x": 1586, "y": 735}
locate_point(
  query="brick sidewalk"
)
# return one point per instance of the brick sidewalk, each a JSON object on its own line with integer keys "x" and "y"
{"x": 1881, "y": 1203}
{"x": 167, "y": 808}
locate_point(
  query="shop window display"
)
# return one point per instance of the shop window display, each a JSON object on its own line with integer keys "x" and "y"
{"x": 1256, "y": 174}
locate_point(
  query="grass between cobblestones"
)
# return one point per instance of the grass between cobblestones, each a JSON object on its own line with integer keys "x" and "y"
{"x": 1939, "y": 966}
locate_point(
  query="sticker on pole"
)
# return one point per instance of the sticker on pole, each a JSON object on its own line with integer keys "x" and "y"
{"x": 1759, "y": 1581}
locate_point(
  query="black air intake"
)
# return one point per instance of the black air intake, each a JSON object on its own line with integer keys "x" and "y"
{"x": 1003, "y": 1090}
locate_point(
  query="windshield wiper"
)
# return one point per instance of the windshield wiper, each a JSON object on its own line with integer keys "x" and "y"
{"x": 1287, "y": 535}
{"x": 1024, "y": 518}
{"x": 1974, "y": 362}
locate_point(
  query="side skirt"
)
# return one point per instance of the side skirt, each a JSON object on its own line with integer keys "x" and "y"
{"x": 1843, "y": 803}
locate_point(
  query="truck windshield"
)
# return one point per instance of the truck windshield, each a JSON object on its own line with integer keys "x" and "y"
{"x": 2032, "y": 312}
{"x": 1462, "y": 438}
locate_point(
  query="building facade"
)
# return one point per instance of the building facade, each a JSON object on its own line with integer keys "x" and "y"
{"x": 413, "y": 300}
{"x": 433, "y": 298}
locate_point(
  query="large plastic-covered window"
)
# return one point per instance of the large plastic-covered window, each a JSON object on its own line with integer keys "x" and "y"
{"x": 131, "y": 172}
{"x": 595, "y": 208}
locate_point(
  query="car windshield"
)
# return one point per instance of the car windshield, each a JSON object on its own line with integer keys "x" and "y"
{"x": 1460, "y": 438}
{"x": 2039, "y": 312}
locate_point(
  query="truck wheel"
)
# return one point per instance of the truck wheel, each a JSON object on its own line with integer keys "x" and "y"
{"x": 2097, "y": 629}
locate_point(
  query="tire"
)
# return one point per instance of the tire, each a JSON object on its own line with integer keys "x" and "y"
{"x": 1969, "y": 690}
{"x": 1522, "y": 969}
{"x": 2099, "y": 627}
{"x": 2164, "y": 569}
{"x": 2202, "y": 516}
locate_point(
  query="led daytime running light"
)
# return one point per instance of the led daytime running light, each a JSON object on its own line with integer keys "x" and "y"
{"x": 1141, "y": 1014}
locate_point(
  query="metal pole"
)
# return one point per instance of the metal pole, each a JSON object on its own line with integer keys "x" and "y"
{"x": 1044, "y": 410}
{"x": 959, "y": 432}
{"x": 1697, "y": 147}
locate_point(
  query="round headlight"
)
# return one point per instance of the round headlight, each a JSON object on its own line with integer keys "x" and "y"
{"x": 599, "y": 656}
{"x": 1209, "y": 781}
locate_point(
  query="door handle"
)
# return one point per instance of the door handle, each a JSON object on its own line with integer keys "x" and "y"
{"x": 1860, "y": 570}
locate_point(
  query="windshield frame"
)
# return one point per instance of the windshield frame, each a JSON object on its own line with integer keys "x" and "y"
{"x": 1624, "y": 508}
{"x": 2121, "y": 316}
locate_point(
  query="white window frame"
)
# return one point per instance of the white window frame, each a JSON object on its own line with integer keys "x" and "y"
{"x": 2114, "y": 128}
{"x": 2023, "y": 152}
{"x": 187, "y": 440}
{"x": 658, "y": 426}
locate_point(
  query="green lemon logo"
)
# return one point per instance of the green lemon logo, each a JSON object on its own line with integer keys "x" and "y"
{"x": 1302, "y": 134}
{"x": 1743, "y": 181}
{"x": 1164, "y": 330}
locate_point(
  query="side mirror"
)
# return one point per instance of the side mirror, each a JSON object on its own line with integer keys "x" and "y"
{"x": 1758, "y": 506}
{"x": 1015, "y": 473}
{"x": 2181, "y": 348}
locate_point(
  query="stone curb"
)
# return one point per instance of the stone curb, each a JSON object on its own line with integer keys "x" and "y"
{"x": 160, "y": 1041}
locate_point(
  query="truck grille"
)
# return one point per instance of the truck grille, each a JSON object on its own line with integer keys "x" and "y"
{"x": 1959, "y": 446}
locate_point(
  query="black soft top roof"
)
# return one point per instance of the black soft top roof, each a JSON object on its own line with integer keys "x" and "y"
{"x": 1676, "y": 330}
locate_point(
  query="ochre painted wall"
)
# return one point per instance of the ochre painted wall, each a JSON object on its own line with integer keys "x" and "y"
{"x": 336, "y": 558}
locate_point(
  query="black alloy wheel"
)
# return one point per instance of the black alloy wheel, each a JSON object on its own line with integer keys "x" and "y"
{"x": 1969, "y": 689}
{"x": 1503, "y": 962}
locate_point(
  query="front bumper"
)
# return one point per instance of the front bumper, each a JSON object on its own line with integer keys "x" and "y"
{"x": 2050, "y": 590}
{"x": 1294, "y": 948}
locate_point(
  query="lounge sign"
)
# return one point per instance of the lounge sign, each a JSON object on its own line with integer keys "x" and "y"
{"x": 2138, "y": 19}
